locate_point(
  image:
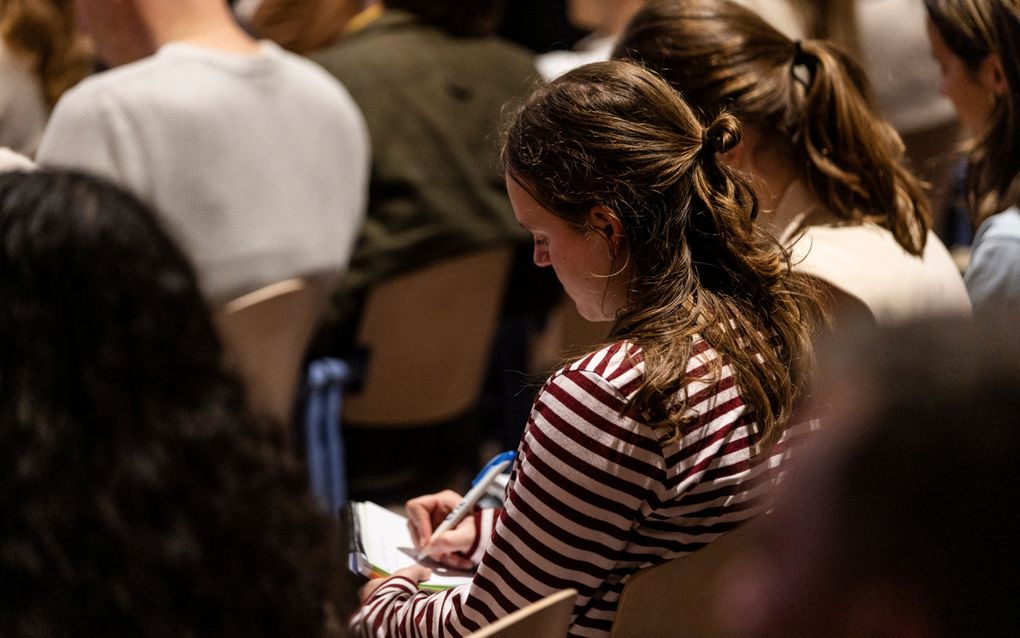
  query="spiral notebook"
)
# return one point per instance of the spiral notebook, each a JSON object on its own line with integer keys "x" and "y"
{"x": 380, "y": 544}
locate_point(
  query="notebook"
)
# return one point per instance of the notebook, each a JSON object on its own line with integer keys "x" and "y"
{"x": 381, "y": 544}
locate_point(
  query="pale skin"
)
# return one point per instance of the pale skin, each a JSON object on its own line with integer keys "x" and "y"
{"x": 973, "y": 92}
{"x": 129, "y": 30}
{"x": 769, "y": 171}
{"x": 605, "y": 17}
{"x": 591, "y": 263}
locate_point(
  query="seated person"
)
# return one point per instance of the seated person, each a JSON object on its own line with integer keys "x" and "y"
{"x": 255, "y": 159}
{"x": 829, "y": 172}
{"x": 139, "y": 495}
{"x": 605, "y": 20}
{"x": 975, "y": 46}
{"x": 432, "y": 80}
{"x": 665, "y": 438}
{"x": 901, "y": 521}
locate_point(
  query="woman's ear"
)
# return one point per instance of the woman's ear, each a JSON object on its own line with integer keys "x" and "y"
{"x": 603, "y": 221}
{"x": 992, "y": 76}
{"x": 741, "y": 157}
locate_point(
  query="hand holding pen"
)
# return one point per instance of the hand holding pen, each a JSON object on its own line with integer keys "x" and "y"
{"x": 440, "y": 524}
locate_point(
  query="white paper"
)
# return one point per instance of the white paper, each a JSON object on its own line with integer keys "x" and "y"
{"x": 387, "y": 546}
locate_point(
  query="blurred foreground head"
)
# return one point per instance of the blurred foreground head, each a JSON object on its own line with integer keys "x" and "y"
{"x": 904, "y": 520}
{"x": 139, "y": 496}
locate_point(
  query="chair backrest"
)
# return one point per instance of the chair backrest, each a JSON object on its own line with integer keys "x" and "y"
{"x": 546, "y": 618}
{"x": 265, "y": 334}
{"x": 566, "y": 335}
{"x": 428, "y": 335}
{"x": 676, "y": 599}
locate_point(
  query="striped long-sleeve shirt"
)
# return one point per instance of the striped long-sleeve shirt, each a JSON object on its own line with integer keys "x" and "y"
{"x": 594, "y": 496}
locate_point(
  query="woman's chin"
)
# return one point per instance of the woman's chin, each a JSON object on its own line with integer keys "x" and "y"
{"x": 592, "y": 314}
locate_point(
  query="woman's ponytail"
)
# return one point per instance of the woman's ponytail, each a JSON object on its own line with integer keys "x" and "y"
{"x": 808, "y": 98}
{"x": 615, "y": 135}
{"x": 721, "y": 135}
{"x": 853, "y": 159}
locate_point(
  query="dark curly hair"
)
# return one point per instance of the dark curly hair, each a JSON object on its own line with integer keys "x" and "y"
{"x": 139, "y": 495}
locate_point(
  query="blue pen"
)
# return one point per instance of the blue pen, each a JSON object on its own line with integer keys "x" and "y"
{"x": 481, "y": 483}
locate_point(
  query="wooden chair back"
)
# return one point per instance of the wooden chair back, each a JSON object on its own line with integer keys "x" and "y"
{"x": 265, "y": 334}
{"x": 566, "y": 335}
{"x": 677, "y": 598}
{"x": 546, "y": 618}
{"x": 428, "y": 335}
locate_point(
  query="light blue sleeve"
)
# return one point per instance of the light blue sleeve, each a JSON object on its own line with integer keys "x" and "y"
{"x": 993, "y": 277}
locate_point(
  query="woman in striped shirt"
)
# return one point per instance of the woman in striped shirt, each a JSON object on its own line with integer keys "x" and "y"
{"x": 667, "y": 437}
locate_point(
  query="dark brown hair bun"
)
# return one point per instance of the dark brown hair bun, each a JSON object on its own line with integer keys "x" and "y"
{"x": 722, "y": 134}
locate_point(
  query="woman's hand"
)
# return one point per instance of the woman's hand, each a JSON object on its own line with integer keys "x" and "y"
{"x": 425, "y": 513}
{"x": 417, "y": 573}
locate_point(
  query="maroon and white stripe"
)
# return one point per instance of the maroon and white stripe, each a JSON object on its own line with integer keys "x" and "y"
{"x": 594, "y": 497}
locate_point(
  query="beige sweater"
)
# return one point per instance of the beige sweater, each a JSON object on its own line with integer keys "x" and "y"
{"x": 866, "y": 262}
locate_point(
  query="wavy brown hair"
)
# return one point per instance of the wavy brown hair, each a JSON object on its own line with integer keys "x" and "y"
{"x": 834, "y": 20}
{"x": 615, "y": 134}
{"x": 44, "y": 31}
{"x": 973, "y": 30}
{"x": 303, "y": 26}
{"x": 807, "y": 97}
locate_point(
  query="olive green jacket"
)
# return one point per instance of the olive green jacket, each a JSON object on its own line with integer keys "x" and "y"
{"x": 433, "y": 103}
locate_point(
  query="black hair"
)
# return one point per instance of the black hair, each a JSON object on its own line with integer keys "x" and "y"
{"x": 139, "y": 494}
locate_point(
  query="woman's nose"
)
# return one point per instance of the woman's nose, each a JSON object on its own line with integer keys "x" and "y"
{"x": 541, "y": 257}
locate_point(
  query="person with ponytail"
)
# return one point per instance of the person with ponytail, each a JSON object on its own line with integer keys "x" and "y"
{"x": 41, "y": 56}
{"x": 671, "y": 434}
{"x": 977, "y": 46}
{"x": 829, "y": 173}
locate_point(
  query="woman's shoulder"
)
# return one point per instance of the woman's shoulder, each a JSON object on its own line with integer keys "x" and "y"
{"x": 621, "y": 365}
{"x": 1004, "y": 226}
{"x": 598, "y": 388}
{"x": 618, "y": 366}
{"x": 865, "y": 261}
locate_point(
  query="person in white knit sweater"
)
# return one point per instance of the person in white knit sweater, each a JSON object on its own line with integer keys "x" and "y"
{"x": 255, "y": 159}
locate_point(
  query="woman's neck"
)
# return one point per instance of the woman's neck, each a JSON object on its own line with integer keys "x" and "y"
{"x": 790, "y": 211}
{"x": 782, "y": 197}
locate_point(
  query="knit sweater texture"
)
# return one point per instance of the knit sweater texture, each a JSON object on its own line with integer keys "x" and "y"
{"x": 257, "y": 164}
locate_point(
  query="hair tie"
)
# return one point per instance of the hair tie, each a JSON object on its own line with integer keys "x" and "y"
{"x": 799, "y": 56}
{"x": 720, "y": 136}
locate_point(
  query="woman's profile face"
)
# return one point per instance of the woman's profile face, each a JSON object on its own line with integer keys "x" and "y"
{"x": 581, "y": 259}
{"x": 965, "y": 88}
